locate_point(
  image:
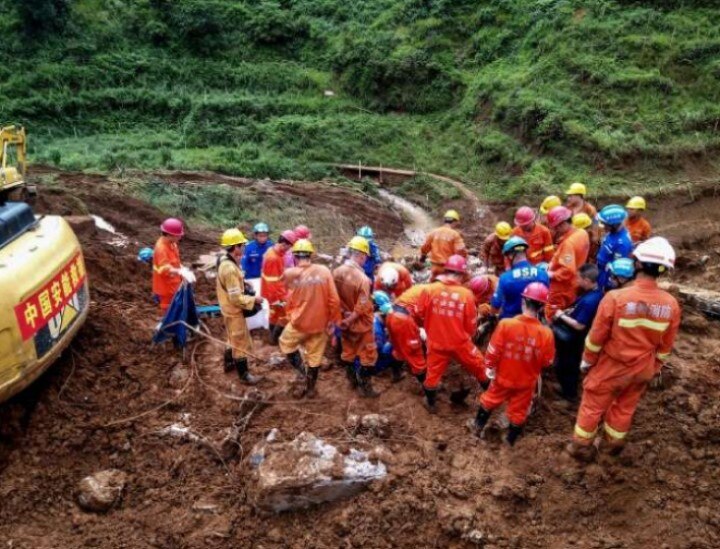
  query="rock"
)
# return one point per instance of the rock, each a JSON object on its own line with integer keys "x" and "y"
{"x": 179, "y": 376}
{"x": 476, "y": 537}
{"x": 695, "y": 324}
{"x": 100, "y": 491}
{"x": 308, "y": 471}
{"x": 372, "y": 424}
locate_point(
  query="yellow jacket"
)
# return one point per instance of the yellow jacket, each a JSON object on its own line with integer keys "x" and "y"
{"x": 231, "y": 289}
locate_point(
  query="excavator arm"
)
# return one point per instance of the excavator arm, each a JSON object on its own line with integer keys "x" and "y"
{"x": 12, "y": 139}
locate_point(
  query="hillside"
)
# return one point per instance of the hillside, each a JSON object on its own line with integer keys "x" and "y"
{"x": 514, "y": 95}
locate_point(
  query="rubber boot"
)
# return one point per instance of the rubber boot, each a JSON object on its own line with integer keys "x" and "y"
{"x": 228, "y": 362}
{"x": 481, "y": 420}
{"x": 276, "y": 333}
{"x": 431, "y": 400}
{"x": 397, "y": 371}
{"x": 458, "y": 397}
{"x": 271, "y": 334}
{"x": 295, "y": 360}
{"x": 350, "y": 373}
{"x": 311, "y": 381}
{"x": 582, "y": 452}
{"x": 365, "y": 383}
{"x": 514, "y": 431}
{"x": 241, "y": 365}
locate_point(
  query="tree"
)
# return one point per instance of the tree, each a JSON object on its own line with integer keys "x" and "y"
{"x": 43, "y": 17}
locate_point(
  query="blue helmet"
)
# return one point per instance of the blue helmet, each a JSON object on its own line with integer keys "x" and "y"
{"x": 513, "y": 243}
{"x": 365, "y": 232}
{"x": 382, "y": 301}
{"x": 623, "y": 267}
{"x": 612, "y": 215}
{"x": 145, "y": 255}
{"x": 261, "y": 228}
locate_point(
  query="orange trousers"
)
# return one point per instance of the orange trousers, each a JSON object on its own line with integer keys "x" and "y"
{"x": 164, "y": 302}
{"x": 467, "y": 355}
{"x": 518, "y": 399}
{"x": 278, "y": 316}
{"x": 361, "y": 346}
{"x": 406, "y": 342}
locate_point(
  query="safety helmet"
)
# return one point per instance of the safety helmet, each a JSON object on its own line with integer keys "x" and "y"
{"x": 514, "y": 244}
{"x": 261, "y": 228}
{"x": 232, "y": 237}
{"x": 145, "y": 255}
{"x": 303, "y": 247}
{"x": 366, "y": 232}
{"x": 503, "y": 230}
{"x": 382, "y": 301}
{"x": 457, "y": 264}
{"x": 549, "y": 203}
{"x": 451, "y": 215}
{"x": 543, "y": 266}
{"x": 524, "y": 216}
{"x": 612, "y": 214}
{"x": 173, "y": 227}
{"x": 479, "y": 284}
{"x": 302, "y": 231}
{"x": 576, "y": 188}
{"x": 656, "y": 250}
{"x": 289, "y": 235}
{"x": 537, "y": 291}
{"x": 557, "y": 215}
{"x": 623, "y": 267}
{"x": 636, "y": 203}
{"x": 581, "y": 221}
{"x": 359, "y": 244}
{"x": 389, "y": 276}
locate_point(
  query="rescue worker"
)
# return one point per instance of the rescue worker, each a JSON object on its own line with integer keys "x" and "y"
{"x": 538, "y": 237}
{"x": 632, "y": 335}
{"x": 301, "y": 231}
{"x": 616, "y": 243}
{"x": 570, "y": 327}
{"x": 356, "y": 326}
{"x": 410, "y": 301}
{"x": 374, "y": 259}
{"x": 313, "y": 308}
{"x": 507, "y": 298}
{"x": 571, "y": 251}
{"x": 520, "y": 348}
{"x": 448, "y": 312}
{"x": 548, "y": 204}
{"x": 442, "y": 243}
{"x": 404, "y": 336}
{"x": 393, "y": 278}
{"x": 637, "y": 224}
{"x": 168, "y": 272}
{"x": 233, "y": 300}
{"x": 491, "y": 249}
{"x": 255, "y": 250}
{"x": 576, "y": 201}
{"x": 272, "y": 286}
{"x": 621, "y": 273}
{"x": 483, "y": 288}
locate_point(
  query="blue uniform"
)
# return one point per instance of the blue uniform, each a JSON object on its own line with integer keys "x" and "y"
{"x": 372, "y": 260}
{"x": 252, "y": 258}
{"x": 614, "y": 246}
{"x": 384, "y": 347}
{"x": 512, "y": 283}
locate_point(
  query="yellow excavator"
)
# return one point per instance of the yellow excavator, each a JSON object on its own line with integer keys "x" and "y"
{"x": 44, "y": 295}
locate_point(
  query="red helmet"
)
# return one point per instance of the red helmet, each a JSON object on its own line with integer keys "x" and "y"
{"x": 301, "y": 231}
{"x": 172, "y": 226}
{"x": 457, "y": 264}
{"x": 479, "y": 284}
{"x": 557, "y": 215}
{"x": 537, "y": 291}
{"x": 290, "y": 236}
{"x": 524, "y": 216}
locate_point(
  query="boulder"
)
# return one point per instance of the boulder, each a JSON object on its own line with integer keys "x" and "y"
{"x": 308, "y": 471}
{"x": 102, "y": 490}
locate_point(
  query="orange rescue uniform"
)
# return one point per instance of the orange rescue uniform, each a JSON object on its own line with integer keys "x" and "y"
{"x": 358, "y": 339}
{"x": 405, "y": 280}
{"x": 571, "y": 254}
{"x": 519, "y": 350}
{"x": 540, "y": 243}
{"x": 593, "y": 231}
{"x": 448, "y": 311}
{"x": 639, "y": 228}
{"x": 491, "y": 253}
{"x": 440, "y": 244}
{"x": 405, "y": 338}
{"x": 633, "y": 333}
{"x": 272, "y": 286}
{"x": 482, "y": 302}
{"x": 165, "y": 283}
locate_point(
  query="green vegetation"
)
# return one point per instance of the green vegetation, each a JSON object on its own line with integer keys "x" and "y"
{"x": 516, "y": 96}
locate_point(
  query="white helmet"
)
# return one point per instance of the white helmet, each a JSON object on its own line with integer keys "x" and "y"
{"x": 389, "y": 276}
{"x": 656, "y": 250}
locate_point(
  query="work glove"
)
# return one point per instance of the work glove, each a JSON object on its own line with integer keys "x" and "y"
{"x": 187, "y": 275}
{"x": 423, "y": 334}
{"x": 490, "y": 373}
{"x": 585, "y": 366}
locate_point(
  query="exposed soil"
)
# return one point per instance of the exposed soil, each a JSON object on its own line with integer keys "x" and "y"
{"x": 445, "y": 488}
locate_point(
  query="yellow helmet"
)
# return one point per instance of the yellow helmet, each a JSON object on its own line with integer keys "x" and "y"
{"x": 303, "y": 246}
{"x": 549, "y": 203}
{"x": 581, "y": 221}
{"x": 452, "y": 214}
{"x": 636, "y": 203}
{"x": 576, "y": 188}
{"x": 503, "y": 230}
{"x": 232, "y": 237}
{"x": 359, "y": 244}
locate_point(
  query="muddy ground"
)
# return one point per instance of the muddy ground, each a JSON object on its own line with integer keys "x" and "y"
{"x": 103, "y": 403}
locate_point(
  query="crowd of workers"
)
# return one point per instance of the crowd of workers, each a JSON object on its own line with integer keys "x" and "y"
{"x": 567, "y": 287}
